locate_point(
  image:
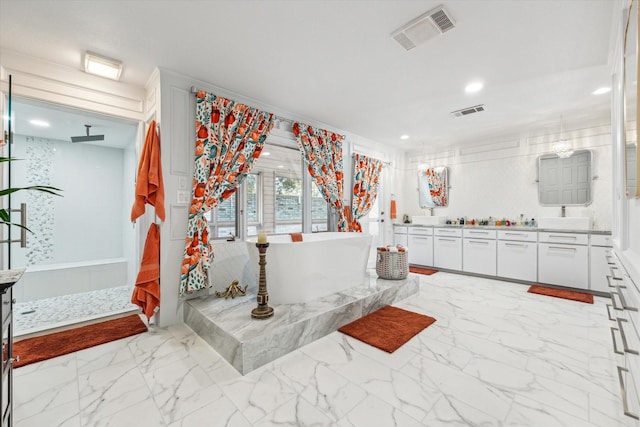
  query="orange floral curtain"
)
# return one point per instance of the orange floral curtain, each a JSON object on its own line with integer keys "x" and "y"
{"x": 366, "y": 176}
{"x": 229, "y": 138}
{"x": 322, "y": 152}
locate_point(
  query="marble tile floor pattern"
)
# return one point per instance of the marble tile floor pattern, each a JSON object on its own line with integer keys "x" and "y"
{"x": 35, "y": 316}
{"x": 497, "y": 356}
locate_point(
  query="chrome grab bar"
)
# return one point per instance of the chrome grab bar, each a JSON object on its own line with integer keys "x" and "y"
{"x": 623, "y": 393}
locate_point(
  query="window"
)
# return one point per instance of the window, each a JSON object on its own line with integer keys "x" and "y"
{"x": 222, "y": 220}
{"x": 288, "y": 206}
{"x": 252, "y": 185}
{"x": 319, "y": 211}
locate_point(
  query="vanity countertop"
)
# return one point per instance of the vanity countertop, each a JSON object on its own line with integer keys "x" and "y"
{"x": 494, "y": 227}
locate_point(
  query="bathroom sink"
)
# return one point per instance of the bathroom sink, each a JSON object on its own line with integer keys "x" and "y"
{"x": 565, "y": 223}
{"x": 428, "y": 220}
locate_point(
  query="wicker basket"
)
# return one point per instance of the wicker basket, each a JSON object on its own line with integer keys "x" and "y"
{"x": 392, "y": 265}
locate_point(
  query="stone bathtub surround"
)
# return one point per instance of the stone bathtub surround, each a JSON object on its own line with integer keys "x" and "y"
{"x": 248, "y": 343}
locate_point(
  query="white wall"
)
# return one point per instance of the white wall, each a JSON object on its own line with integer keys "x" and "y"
{"x": 499, "y": 179}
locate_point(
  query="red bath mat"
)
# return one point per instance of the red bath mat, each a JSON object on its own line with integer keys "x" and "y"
{"x": 561, "y": 293}
{"x": 420, "y": 270}
{"x": 388, "y": 328}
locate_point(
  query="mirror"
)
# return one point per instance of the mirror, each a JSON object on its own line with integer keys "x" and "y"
{"x": 565, "y": 181}
{"x": 631, "y": 100}
{"x": 433, "y": 187}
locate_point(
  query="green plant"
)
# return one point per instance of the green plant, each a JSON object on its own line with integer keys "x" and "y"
{"x": 5, "y": 217}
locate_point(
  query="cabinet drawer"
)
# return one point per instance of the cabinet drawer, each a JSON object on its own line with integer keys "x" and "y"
{"x": 479, "y": 234}
{"x": 563, "y": 265}
{"x": 450, "y": 232}
{"x": 522, "y": 236}
{"x": 601, "y": 240}
{"x": 400, "y": 229}
{"x": 518, "y": 260}
{"x": 421, "y": 231}
{"x": 571, "y": 238}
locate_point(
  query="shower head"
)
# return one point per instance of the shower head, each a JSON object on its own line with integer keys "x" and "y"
{"x": 87, "y": 138}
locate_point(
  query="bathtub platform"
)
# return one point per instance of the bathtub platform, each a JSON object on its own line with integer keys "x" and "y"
{"x": 248, "y": 343}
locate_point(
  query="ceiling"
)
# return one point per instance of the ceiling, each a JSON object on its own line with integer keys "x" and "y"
{"x": 335, "y": 62}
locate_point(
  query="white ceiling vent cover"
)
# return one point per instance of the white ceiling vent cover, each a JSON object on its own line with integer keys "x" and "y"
{"x": 467, "y": 111}
{"x": 423, "y": 28}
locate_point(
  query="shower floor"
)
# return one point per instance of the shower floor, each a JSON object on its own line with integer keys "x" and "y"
{"x": 35, "y": 316}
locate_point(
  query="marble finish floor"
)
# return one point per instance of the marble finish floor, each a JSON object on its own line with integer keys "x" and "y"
{"x": 35, "y": 316}
{"x": 496, "y": 356}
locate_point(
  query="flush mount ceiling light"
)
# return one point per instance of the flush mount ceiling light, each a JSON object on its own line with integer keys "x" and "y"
{"x": 102, "y": 66}
{"x": 404, "y": 137}
{"x": 266, "y": 153}
{"x": 602, "y": 91}
{"x": 473, "y": 87}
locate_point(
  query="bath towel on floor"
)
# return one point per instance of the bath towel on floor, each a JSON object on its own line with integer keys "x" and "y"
{"x": 296, "y": 237}
{"x": 149, "y": 185}
{"x": 146, "y": 293}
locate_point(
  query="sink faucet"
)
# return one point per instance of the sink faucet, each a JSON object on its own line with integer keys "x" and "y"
{"x": 562, "y": 212}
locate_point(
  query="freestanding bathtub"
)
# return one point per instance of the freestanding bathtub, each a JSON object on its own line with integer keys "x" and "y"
{"x": 320, "y": 265}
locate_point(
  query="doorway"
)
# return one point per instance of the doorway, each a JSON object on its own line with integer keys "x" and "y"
{"x": 81, "y": 249}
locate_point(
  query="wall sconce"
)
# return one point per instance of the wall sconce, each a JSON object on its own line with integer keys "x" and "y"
{"x": 102, "y": 66}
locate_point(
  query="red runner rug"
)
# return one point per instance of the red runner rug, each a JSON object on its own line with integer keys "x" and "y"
{"x": 388, "y": 328}
{"x": 561, "y": 293}
{"x": 420, "y": 270}
{"x": 37, "y": 349}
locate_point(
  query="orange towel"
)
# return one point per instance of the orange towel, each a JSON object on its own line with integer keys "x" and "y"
{"x": 146, "y": 293}
{"x": 394, "y": 215}
{"x": 149, "y": 185}
{"x": 296, "y": 237}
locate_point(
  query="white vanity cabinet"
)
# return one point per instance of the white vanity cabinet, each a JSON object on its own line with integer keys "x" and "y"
{"x": 420, "y": 240}
{"x": 400, "y": 235}
{"x": 518, "y": 255}
{"x": 599, "y": 256}
{"x": 479, "y": 251}
{"x": 447, "y": 248}
{"x": 563, "y": 259}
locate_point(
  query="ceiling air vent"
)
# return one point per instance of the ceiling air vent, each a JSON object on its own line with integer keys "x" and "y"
{"x": 423, "y": 28}
{"x": 467, "y": 111}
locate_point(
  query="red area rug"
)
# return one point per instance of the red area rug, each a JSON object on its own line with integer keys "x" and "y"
{"x": 420, "y": 270}
{"x": 37, "y": 349}
{"x": 561, "y": 293}
{"x": 388, "y": 328}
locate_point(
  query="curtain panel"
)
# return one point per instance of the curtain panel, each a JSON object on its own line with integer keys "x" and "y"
{"x": 366, "y": 176}
{"x": 322, "y": 152}
{"x": 229, "y": 138}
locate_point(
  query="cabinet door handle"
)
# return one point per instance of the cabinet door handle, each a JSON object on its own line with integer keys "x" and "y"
{"x": 613, "y": 339}
{"x": 613, "y": 301}
{"x": 562, "y": 248}
{"x": 444, "y": 230}
{"x": 625, "y": 344}
{"x": 479, "y": 242}
{"x": 12, "y": 301}
{"x": 446, "y": 240}
{"x": 613, "y": 273}
{"x": 515, "y": 234}
{"x": 551, "y": 236}
{"x": 486, "y": 233}
{"x": 613, "y": 319}
{"x": 420, "y": 238}
{"x": 609, "y": 282}
{"x": 623, "y": 301}
{"x": 517, "y": 245}
{"x": 623, "y": 392}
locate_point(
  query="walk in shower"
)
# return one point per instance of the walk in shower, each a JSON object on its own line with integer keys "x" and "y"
{"x": 80, "y": 254}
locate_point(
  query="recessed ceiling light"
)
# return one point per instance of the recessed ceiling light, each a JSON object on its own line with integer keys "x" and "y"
{"x": 405, "y": 136}
{"x": 474, "y": 87}
{"x": 266, "y": 153}
{"x": 102, "y": 66}
{"x": 601, "y": 90}
{"x": 280, "y": 166}
{"x": 39, "y": 123}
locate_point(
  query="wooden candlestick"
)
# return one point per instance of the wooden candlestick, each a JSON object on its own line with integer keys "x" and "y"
{"x": 262, "y": 311}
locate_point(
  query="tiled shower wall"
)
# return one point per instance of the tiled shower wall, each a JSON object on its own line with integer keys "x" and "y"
{"x": 499, "y": 179}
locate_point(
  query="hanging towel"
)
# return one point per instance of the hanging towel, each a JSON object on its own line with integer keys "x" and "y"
{"x": 146, "y": 292}
{"x": 394, "y": 213}
{"x": 296, "y": 237}
{"x": 149, "y": 185}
